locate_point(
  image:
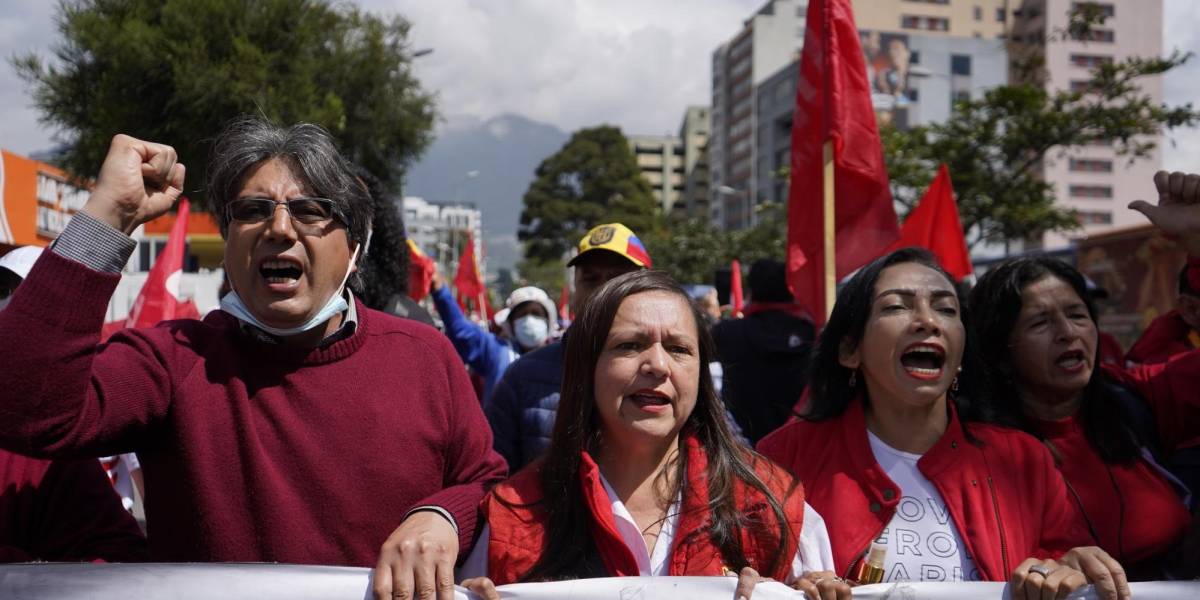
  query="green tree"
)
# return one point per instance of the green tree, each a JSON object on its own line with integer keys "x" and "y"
{"x": 996, "y": 146}
{"x": 691, "y": 250}
{"x": 174, "y": 71}
{"x": 593, "y": 179}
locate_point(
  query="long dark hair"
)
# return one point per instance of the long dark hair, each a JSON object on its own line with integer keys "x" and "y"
{"x": 996, "y": 304}
{"x": 577, "y": 429}
{"x": 828, "y": 379}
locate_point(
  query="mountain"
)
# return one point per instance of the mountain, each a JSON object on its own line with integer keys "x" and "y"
{"x": 504, "y": 150}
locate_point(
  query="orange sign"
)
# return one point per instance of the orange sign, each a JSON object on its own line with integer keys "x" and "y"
{"x": 37, "y": 200}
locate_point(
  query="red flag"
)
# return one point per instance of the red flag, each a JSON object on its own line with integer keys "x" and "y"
{"x": 468, "y": 279}
{"x": 159, "y": 299}
{"x": 735, "y": 287}
{"x": 934, "y": 225}
{"x": 420, "y": 272}
{"x": 833, "y": 103}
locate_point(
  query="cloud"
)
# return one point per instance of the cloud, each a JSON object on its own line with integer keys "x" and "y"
{"x": 1182, "y": 85}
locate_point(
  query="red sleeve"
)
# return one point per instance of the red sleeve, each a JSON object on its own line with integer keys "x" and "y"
{"x": 74, "y": 397}
{"x": 1063, "y": 526}
{"x": 472, "y": 466}
{"x": 1170, "y": 390}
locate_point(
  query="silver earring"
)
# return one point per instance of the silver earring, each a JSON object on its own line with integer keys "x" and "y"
{"x": 954, "y": 385}
{"x": 853, "y": 378}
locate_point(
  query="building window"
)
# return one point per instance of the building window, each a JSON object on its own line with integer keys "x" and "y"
{"x": 1088, "y": 217}
{"x": 1095, "y": 35}
{"x": 914, "y": 58}
{"x": 1107, "y": 10}
{"x": 924, "y": 23}
{"x": 960, "y": 64}
{"x": 1090, "y": 61}
{"x": 960, "y": 96}
{"x": 930, "y": 1}
{"x": 978, "y": 12}
{"x": 1091, "y": 165}
{"x": 1001, "y": 16}
{"x": 1082, "y": 85}
{"x": 1091, "y": 191}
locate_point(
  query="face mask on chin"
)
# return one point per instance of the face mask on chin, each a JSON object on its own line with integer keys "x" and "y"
{"x": 530, "y": 331}
{"x": 232, "y": 303}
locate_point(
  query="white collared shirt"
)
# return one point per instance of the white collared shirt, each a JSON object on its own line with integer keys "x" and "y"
{"x": 814, "y": 552}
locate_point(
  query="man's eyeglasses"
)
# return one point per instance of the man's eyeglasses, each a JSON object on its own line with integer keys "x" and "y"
{"x": 308, "y": 214}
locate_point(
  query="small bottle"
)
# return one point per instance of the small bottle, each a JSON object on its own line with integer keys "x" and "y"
{"x": 870, "y": 569}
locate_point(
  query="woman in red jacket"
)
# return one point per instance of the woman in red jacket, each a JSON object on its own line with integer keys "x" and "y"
{"x": 642, "y": 476}
{"x": 1040, "y": 372}
{"x": 887, "y": 456}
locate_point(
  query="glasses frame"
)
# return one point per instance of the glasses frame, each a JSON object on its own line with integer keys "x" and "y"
{"x": 301, "y": 226}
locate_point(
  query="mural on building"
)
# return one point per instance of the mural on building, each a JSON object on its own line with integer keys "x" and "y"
{"x": 888, "y": 60}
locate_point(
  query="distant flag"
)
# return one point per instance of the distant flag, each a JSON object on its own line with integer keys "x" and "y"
{"x": 468, "y": 279}
{"x": 934, "y": 225}
{"x": 834, "y": 131}
{"x": 159, "y": 298}
{"x": 564, "y": 304}
{"x": 420, "y": 272}
{"x": 735, "y": 288}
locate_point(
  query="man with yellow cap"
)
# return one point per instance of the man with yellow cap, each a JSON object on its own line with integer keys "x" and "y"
{"x": 523, "y": 405}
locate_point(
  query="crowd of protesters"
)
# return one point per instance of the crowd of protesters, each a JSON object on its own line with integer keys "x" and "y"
{"x": 317, "y": 418}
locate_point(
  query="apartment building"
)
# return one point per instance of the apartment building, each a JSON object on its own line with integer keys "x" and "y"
{"x": 694, "y": 132}
{"x": 954, "y": 18}
{"x": 661, "y": 160}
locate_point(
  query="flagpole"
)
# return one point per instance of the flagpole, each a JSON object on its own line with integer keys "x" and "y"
{"x": 830, "y": 232}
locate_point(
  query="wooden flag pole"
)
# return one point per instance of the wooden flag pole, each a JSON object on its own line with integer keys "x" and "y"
{"x": 830, "y": 232}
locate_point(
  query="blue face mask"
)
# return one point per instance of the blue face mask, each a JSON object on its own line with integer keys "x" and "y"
{"x": 232, "y": 304}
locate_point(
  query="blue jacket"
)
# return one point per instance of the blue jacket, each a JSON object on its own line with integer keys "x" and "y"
{"x": 521, "y": 409}
{"x": 486, "y": 353}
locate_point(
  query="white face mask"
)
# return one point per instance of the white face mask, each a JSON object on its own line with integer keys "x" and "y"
{"x": 232, "y": 303}
{"x": 531, "y": 331}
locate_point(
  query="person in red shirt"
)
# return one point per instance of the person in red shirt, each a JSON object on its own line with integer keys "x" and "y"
{"x": 642, "y": 476}
{"x": 1176, "y": 332}
{"x": 889, "y": 456}
{"x": 1040, "y": 370}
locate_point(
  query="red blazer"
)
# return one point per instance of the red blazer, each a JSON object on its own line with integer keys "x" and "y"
{"x": 518, "y": 530}
{"x": 1004, "y": 496}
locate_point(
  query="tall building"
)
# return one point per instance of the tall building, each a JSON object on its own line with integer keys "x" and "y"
{"x": 661, "y": 160}
{"x": 1092, "y": 179}
{"x": 439, "y": 230}
{"x": 955, "y": 18}
{"x": 768, "y": 40}
{"x": 693, "y": 134}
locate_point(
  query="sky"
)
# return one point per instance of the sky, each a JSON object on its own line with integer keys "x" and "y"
{"x": 570, "y": 63}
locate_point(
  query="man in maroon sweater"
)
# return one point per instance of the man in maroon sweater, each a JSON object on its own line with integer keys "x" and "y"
{"x": 295, "y": 425}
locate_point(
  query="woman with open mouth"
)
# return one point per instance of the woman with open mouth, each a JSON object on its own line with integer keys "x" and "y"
{"x": 642, "y": 476}
{"x": 1040, "y": 372}
{"x": 890, "y": 458}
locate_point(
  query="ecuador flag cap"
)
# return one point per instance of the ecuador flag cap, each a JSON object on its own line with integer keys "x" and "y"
{"x": 617, "y": 238}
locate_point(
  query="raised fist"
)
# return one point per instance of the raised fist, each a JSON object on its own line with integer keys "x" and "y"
{"x": 138, "y": 182}
{"x": 1177, "y": 213}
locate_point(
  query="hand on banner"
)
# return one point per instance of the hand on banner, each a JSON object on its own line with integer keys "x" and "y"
{"x": 417, "y": 560}
{"x": 1036, "y": 579}
{"x": 1177, "y": 213}
{"x": 138, "y": 181}
{"x": 816, "y": 585}
{"x": 823, "y": 585}
{"x": 482, "y": 587}
{"x": 1101, "y": 570}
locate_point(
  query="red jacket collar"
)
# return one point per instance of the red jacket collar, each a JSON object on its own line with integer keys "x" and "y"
{"x": 936, "y": 460}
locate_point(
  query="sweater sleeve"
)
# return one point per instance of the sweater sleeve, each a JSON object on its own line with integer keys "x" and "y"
{"x": 73, "y": 397}
{"x": 472, "y": 467}
{"x": 81, "y": 517}
{"x": 478, "y": 348}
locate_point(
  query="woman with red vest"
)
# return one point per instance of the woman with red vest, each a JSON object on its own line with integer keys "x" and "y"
{"x": 642, "y": 476}
{"x": 888, "y": 457}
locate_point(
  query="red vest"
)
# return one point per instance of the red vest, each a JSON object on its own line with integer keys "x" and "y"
{"x": 518, "y": 531}
{"x": 1006, "y": 498}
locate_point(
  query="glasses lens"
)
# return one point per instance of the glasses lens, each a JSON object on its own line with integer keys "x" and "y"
{"x": 251, "y": 209}
{"x": 311, "y": 210}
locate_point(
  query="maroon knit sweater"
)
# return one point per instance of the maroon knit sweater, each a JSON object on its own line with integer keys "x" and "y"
{"x": 251, "y": 451}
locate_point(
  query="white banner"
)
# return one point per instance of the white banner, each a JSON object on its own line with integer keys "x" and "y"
{"x": 295, "y": 582}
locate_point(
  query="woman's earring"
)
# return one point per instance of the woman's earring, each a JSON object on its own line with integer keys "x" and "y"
{"x": 954, "y": 385}
{"x": 853, "y": 378}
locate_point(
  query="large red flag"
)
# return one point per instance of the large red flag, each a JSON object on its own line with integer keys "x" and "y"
{"x": 159, "y": 299}
{"x": 420, "y": 272}
{"x": 735, "y": 288}
{"x": 934, "y": 225}
{"x": 468, "y": 280}
{"x": 833, "y": 103}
